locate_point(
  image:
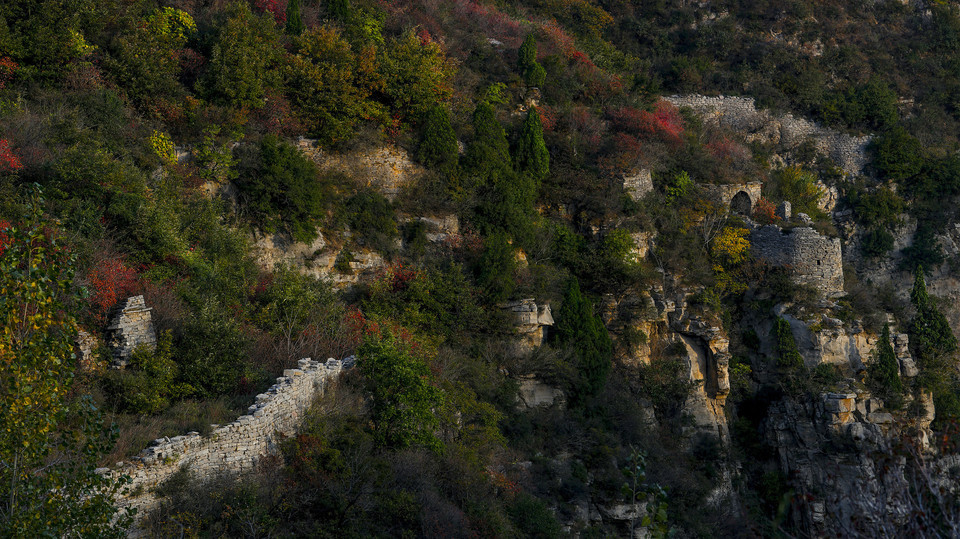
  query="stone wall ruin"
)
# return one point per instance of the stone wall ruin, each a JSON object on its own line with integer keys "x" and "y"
{"x": 130, "y": 326}
{"x": 230, "y": 449}
{"x": 814, "y": 260}
{"x": 783, "y": 130}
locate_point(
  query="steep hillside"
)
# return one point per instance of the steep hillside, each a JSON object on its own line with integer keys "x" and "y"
{"x": 584, "y": 268}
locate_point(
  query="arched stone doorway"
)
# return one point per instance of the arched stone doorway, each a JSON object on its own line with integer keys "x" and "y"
{"x": 741, "y": 203}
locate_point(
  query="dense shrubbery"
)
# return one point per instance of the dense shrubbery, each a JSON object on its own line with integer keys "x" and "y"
{"x": 96, "y": 99}
{"x": 280, "y": 189}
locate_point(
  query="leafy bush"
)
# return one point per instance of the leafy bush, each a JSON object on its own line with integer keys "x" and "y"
{"x": 372, "y": 220}
{"x": 800, "y": 188}
{"x": 211, "y": 349}
{"x": 279, "y": 189}
{"x": 896, "y": 154}
{"x": 150, "y": 382}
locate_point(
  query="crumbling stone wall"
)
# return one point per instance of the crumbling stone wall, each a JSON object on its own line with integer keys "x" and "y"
{"x": 740, "y": 114}
{"x": 130, "y": 327}
{"x": 230, "y": 449}
{"x": 815, "y": 260}
{"x": 728, "y": 195}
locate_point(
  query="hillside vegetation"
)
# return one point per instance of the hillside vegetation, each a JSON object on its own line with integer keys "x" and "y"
{"x": 151, "y": 147}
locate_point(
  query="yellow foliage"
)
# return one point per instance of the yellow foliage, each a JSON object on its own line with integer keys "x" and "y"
{"x": 731, "y": 246}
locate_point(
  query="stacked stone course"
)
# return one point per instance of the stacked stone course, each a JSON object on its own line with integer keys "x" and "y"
{"x": 130, "y": 327}
{"x": 234, "y": 448}
{"x": 814, "y": 260}
{"x": 741, "y": 114}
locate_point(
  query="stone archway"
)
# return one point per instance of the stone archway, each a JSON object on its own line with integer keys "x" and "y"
{"x": 741, "y": 203}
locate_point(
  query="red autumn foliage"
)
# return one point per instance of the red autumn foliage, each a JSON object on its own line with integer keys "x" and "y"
{"x": 7, "y": 69}
{"x": 398, "y": 278}
{"x": 664, "y": 122}
{"x": 110, "y": 281}
{"x": 277, "y": 8}
{"x": 9, "y": 162}
{"x": 764, "y": 212}
{"x": 725, "y": 149}
{"x": 548, "y": 117}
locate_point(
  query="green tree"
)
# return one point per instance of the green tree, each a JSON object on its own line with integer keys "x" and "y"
{"x": 294, "y": 25}
{"x": 339, "y": 10}
{"x": 49, "y": 444}
{"x": 786, "y": 353}
{"x": 896, "y": 154}
{"x": 582, "y": 330}
{"x": 532, "y": 158}
{"x": 211, "y": 347}
{"x": 504, "y": 202}
{"x": 930, "y": 333}
{"x": 146, "y": 57}
{"x": 417, "y": 75}
{"x": 496, "y": 268}
{"x": 934, "y": 347}
{"x": 242, "y": 58}
{"x": 884, "y": 372}
{"x": 331, "y": 85}
{"x": 279, "y": 188}
{"x": 438, "y": 144}
{"x": 532, "y": 72}
{"x": 404, "y": 399}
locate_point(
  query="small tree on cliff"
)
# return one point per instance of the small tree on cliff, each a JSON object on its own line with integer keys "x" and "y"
{"x": 438, "y": 147}
{"x": 934, "y": 346}
{"x": 532, "y": 158}
{"x": 884, "y": 372}
{"x": 579, "y": 328}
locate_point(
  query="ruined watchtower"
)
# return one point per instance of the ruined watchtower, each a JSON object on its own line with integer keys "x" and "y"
{"x": 813, "y": 259}
{"x": 131, "y": 325}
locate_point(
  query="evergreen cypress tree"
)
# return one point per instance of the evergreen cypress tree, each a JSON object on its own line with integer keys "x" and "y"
{"x": 339, "y": 9}
{"x": 294, "y": 20}
{"x": 579, "y": 327}
{"x": 533, "y": 159}
{"x": 527, "y": 55}
{"x": 531, "y": 70}
{"x": 930, "y": 333}
{"x": 489, "y": 149}
{"x": 884, "y": 372}
{"x": 438, "y": 147}
{"x": 496, "y": 267}
{"x": 788, "y": 357}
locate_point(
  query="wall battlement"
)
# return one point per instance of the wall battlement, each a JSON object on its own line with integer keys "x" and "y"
{"x": 230, "y": 449}
{"x": 814, "y": 260}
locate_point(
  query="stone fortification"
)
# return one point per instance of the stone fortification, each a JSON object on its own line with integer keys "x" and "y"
{"x": 230, "y": 449}
{"x": 740, "y": 114}
{"x": 814, "y": 260}
{"x": 130, "y": 327}
{"x": 738, "y": 197}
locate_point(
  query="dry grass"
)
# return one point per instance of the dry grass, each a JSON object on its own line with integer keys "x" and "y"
{"x": 137, "y": 431}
